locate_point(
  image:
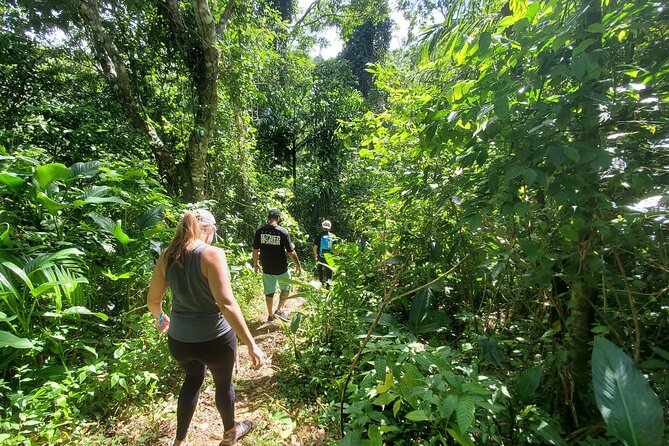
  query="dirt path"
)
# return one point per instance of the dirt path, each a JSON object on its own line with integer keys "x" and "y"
{"x": 257, "y": 399}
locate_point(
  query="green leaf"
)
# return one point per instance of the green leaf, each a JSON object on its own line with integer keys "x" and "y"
{"x": 474, "y": 222}
{"x": 569, "y": 233}
{"x": 95, "y": 195}
{"x": 464, "y": 413}
{"x": 582, "y": 47}
{"x": 596, "y": 28}
{"x": 513, "y": 171}
{"x": 44, "y": 287}
{"x": 374, "y": 435}
{"x": 420, "y": 305}
{"x": 104, "y": 222}
{"x": 120, "y": 235}
{"x": 88, "y": 169}
{"x": 550, "y": 434}
{"x": 448, "y": 405}
{"x": 395, "y": 260}
{"x": 518, "y": 8}
{"x": 51, "y": 206}
{"x": 150, "y": 217}
{"x": 295, "y": 322}
{"x": 484, "y": 42}
{"x": 386, "y": 384}
{"x": 98, "y": 200}
{"x": 527, "y": 384}
{"x": 506, "y": 22}
{"x": 85, "y": 311}
{"x": 572, "y": 153}
{"x": 12, "y": 181}
{"x": 462, "y": 439}
{"x": 520, "y": 208}
{"x": 579, "y": 66}
{"x": 48, "y": 173}
{"x": 5, "y": 239}
{"x": 417, "y": 415}
{"x": 385, "y": 398}
{"x": 5, "y": 318}
{"x": 529, "y": 175}
{"x": 502, "y": 106}
{"x": 9, "y": 340}
{"x": 630, "y": 408}
{"x": 396, "y": 407}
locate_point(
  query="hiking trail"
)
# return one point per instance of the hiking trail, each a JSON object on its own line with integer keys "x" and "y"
{"x": 257, "y": 399}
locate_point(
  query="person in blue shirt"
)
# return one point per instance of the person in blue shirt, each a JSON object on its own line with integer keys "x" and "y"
{"x": 323, "y": 244}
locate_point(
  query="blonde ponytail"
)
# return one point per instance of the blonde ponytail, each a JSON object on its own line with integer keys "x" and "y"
{"x": 188, "y": 231}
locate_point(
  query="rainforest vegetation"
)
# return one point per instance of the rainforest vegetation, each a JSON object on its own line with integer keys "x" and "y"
{"x": 499, "y": 184}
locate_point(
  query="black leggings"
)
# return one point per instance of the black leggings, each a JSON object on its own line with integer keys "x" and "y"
{"x": 219, "y": 356}
{"x": 324, "y": 273}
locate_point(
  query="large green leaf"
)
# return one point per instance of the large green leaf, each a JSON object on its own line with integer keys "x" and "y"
{"x": 462, "y": 438}
{"x": 49, "y": 173}
{"x": 5, "y": 239}
{"x": 150, "y": 217}
{"x": 630, "y": 408}
{"x": 120, "y": 235}
{"x": 12, "y": 181}
{"x": 85, "y": 311}
{"x": 98, "y": 200}
{"x": 95, "y": 195}
{"x": 52, "y": 206}
{"x": 420, "y": 306}
{"x": 88, "y": 169}
{"x": 105, "y": 223}
{"x": 9, "y": 340}
{"x": 64, "y": 257}
{"x": 464, "y": 413}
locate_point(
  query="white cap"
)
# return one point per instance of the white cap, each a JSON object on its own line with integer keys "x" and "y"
{"x": 206, "y": 217}
{"x": 326, "y": 224}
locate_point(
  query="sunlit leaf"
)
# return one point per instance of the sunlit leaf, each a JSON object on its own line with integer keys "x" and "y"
{"x": 11, "y": 180}
{"x": 51, "y": 206}
{"x": 85, "y": 311}
{"x": 9, "y": 340}
{"x": 50, "y": 172}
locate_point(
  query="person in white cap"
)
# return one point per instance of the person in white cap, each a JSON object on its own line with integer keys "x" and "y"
{"x": 323, "y": 244}
{"x": 204, "y": 323}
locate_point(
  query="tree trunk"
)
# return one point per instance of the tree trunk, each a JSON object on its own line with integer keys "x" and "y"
{"x": 113, "y": 68}
{"x": 201, "y": 56}
{"x": 588, "y": 133}
{"x": 206, "y": 76}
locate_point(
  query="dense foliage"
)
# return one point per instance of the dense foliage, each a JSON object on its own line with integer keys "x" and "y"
{"x": 499, "y": 189}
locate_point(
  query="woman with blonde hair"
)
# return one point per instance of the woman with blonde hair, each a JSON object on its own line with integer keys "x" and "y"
{"x": 205, "y": 320}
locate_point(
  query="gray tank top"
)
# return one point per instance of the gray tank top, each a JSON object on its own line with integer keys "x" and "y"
{"x": 195, "y": 317}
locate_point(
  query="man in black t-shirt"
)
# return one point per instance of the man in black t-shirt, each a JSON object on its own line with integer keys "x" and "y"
{"x": 270, "y": 245}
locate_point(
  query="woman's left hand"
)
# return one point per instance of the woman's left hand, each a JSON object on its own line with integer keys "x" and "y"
{"x": 163, "y": 323}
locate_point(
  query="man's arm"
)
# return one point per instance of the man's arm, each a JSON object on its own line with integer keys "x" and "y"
{"x": 256, "y": 260}
{"x": 298, "y": 268}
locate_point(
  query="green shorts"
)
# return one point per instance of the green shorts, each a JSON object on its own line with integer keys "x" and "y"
{"x": 270, "y": 281}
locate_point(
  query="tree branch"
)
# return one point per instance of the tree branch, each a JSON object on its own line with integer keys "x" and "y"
{"x": 310, "y": 8}
{"x": 225, "y": 17}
